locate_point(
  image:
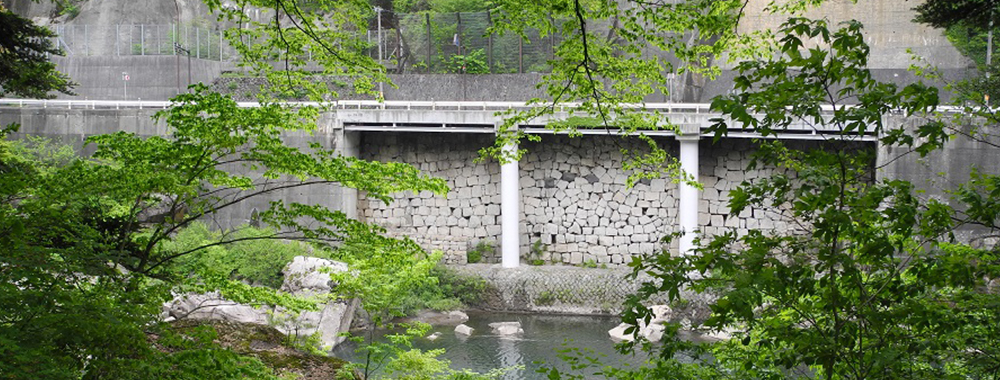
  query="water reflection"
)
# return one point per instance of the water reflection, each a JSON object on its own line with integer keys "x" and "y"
{"x": 543, "y": 334}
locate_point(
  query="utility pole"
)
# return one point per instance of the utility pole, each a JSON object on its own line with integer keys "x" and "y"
{"x": 989, "y": 50}
{"x": 378, "y": 16}
{"x": 989, "y": 42}
{"x": 178, "y": 49}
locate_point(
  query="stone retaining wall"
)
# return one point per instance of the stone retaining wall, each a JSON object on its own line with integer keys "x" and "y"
{"x": 576, "y": 207}
{"x": 454, "y": 224}
{"x": 557, "y": 289}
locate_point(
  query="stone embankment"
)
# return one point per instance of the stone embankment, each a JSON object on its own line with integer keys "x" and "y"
{"x": 563, "y": 289}
{"x": 576, "y": 207}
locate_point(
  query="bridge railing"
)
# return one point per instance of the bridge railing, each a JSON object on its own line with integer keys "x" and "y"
{"x": 698, "y": 108}
{"x": 701, "y": 111}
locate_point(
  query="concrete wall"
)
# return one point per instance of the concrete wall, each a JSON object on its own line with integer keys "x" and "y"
{"x": 945, "y": 169}
{"x": 889, "y": 30}
{"x": 421, "y": 87}
{"x": 151, "y": 77}
{"x": 575, "y": 201}
{"x": 72, "y": 127}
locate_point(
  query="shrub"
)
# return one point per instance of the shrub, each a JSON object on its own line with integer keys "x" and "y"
{"x": 451, "y": 291}
{"x": 258, "y": 262}
{"x": 482, "y": 248}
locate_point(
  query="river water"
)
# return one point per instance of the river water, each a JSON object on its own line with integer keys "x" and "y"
{"x": 543, "y": 335}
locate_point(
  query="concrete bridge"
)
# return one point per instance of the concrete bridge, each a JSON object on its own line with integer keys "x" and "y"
{"x": 563, "y": 202}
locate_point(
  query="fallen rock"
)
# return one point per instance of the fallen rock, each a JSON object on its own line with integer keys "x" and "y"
{"x": 437, "y": 318}
{"x": 434, "y": 336}
{"x": 212, "y": 307}
{"x": 725, "y": 334}
{"x": 303, "y": 277}
{"x": 618, "y": 333}
{"x": 458, "y": 315}
{"x": 506, "y": 328}
{"x": 464, "y": 330}
{"x": 652, "y": 331}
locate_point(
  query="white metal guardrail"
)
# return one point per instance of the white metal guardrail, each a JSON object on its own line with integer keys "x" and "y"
{"x": 697, "y": 108}
{"x": 701, "y": 111}
{"x": 348, "y": 104}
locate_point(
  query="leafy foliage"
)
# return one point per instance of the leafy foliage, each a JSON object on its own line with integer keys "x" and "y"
{"x": 25, "y": 70}
{"x": 89, "y": 245}
{"x": 871, "y": 286}
{"x": 258, "y": 262}
{"x": 323, "y": 32}
{"x": 448, "y": 291}
{"x": 948, "y": 13}
{"x": 482, "y": 248}
{"x": 967, "y": 25}
{"x": 473, "y": 62}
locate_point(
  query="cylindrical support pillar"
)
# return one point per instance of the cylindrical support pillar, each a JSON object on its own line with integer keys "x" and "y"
{"x": 347, "y": 144}
{"x": 689, "y": 195}
{"x": 510, "y": 209}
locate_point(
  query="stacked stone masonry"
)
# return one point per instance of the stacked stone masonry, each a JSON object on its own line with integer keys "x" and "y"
{"x": 575, "y": 204}
{"x": 454, "y": 224}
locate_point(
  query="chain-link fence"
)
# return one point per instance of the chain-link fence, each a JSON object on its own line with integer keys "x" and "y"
{"x": 141, "y": 39}
{"x": 459, "y": 43}
{"x": 406, "y": 43}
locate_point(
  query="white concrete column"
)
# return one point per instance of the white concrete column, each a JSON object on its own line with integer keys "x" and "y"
{"x": 510, "y": 210}
{"x": 689, "y": 195}
{"x": 346, "y": 144}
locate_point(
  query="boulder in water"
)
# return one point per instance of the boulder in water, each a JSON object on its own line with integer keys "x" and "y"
{"x": 464, "y": 330}
{"x": 506, "y": 328}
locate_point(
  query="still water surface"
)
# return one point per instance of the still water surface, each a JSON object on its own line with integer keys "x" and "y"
{"x": 543, "y": 334}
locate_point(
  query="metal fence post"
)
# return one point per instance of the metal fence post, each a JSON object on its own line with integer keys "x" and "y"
{"x": 197, "y": 41}
{"x": 458, "y": 28}
{"x": 489, "y": 41}
{"x": 552, "y": 40}
{"x": 378, "y": 15}
{"x": 118, "y": 40}
{"x": 520, "y": 55}
{"x": 142, "y": 38}
{"x": 86, "y": 41}
{"x": 430, "y": 63}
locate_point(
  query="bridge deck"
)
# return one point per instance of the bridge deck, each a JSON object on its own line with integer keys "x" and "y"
{"x": 466, "y": 117}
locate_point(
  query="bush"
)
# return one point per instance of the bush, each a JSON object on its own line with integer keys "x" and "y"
{"x": 451, "y": 291}
{"x": 482, "y": 248}
{"x": 258, "y": 262}
{"x": 473, "y": 62}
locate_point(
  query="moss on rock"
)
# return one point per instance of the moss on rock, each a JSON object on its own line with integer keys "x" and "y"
{"x": 268, "y": 345}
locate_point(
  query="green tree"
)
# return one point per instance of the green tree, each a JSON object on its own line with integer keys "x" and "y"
{"x": 948, "y": 13}
{"x": 874, "y": 286}
{"x": 25, "y": 69}
{"x": 967, "y": 25}
{"x": 85, "y": 270}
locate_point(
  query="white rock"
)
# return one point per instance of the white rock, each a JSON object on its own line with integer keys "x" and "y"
{"x": 458, "y": 315}
{"x": 331, "y": 322}
{"x": 303, "y": 274}
{"x": 211, "y": 306}
{"x": 434, "y": 336}
{"x": 303, "y": 278}
{"x": 464, "y": 330}
{"x": 506, "y": 328}
{"x": 618, "y": 333}
{"x": 652, "y": 332}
